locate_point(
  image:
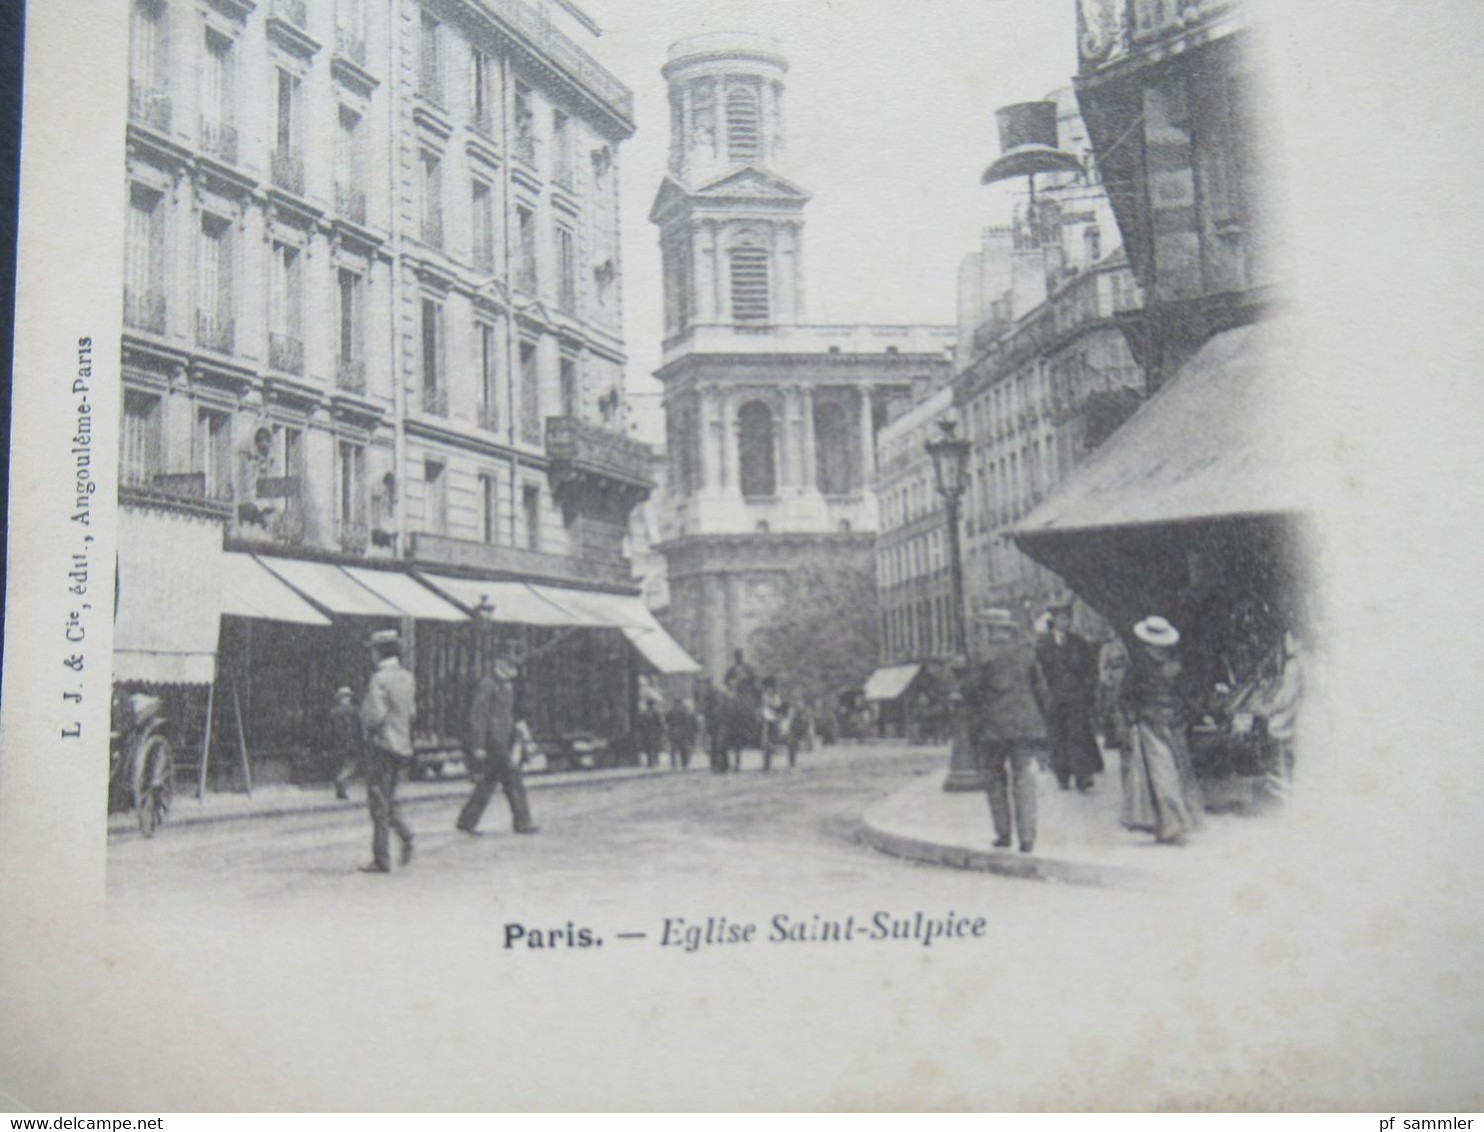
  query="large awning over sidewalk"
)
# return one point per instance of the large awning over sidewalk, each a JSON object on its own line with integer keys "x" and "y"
{"x": 889, "y": 683}
{"x": 166, "y": 621}
{"x": 250, "y": 589}
{"x": 515, "y": 603}
{"x": 414, "y": 599}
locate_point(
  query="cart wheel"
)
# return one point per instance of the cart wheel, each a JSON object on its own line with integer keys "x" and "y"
{"x": 156, "y": 784}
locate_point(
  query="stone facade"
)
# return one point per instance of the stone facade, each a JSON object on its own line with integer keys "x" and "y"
{"x": 771, "y": 421}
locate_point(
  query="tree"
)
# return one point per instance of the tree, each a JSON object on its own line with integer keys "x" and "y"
{"x": 823, "y": 634}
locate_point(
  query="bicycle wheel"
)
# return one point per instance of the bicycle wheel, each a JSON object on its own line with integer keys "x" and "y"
{"x": 156, "y": 783}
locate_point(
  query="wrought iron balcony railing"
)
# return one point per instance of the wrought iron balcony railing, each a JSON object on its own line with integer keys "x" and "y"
{"x": 144, "y": 310}
{"x": 525, "y": 147}
{"x": 215, "y": 331}
{"x": 595, "y": 449}
{"x": 1110, "y": 30}
{"x": 536, "y": 26}
{"x": 483, "y": 121}
{"x": 350, "y": 203}
{"x": 445, "y": 550}
{"x": 219, "y": 140}
{"x": 350, "y": 375}
{"x": 285, "y": 353}
{"x": 353, "y": 537}
{"x": 435, "y": 400}
{"x": 350, "y": 45}
{"x": 149, "y": 106}
{"x": 288, "y": 170}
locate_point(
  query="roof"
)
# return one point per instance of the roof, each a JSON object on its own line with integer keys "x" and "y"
{"x": 1212, "y": 444}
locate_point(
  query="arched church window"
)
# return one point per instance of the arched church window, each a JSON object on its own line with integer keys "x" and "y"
{"x": 743, "y": 126}
{"x": 749, "y": 270}
{"x": 832, "y": 449}
{"x": 758, "y": 471}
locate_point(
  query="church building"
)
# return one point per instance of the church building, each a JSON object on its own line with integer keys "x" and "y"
{"x": 771, "y": 420}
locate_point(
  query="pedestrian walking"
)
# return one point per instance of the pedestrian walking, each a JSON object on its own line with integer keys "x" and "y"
{"x": 1107, "y": 712}
{"x": 1004, "y": 724}
{"x": 680, "y": 723}
{"x": 388, "y": 711}
{"x": 490, "y": 747}
{"x": 1065, "y": 685}
{"x": 344, "y": 739}
{"x": 1160, "y": 791}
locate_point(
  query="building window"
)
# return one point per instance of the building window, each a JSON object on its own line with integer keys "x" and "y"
{"x": 430, "y": 71}
{"x": 758, "y": 468}
{"x": 483, "y": 227}
{"x": 286, "y": 161}
{"x": 1092, "y": 240}
{"x": 435, "y": 391}
{"x": 144, "y": 261}
{"x": 677, "y": 256}
{"x": 435, "y": 497}
{"x": 351, "y": 497}
{"x": 571, "y": 388}
{"x": 525, "y": 269}
{"x": 489, "y": 508}
{"x": 743, "y": 126}
{"x": 481, "y": 93}
{"x": 350, "y": 30}
{"x": 350, "y": 370}
{"x": 140, "y": 458}
{"x": 285, "y": 300}
{"x": 530, "y": 499}
{"x": 561, "y": 149}
{"x": 432, "y": 199}
{"x": 149, "y": 100}
{"x": 525, "y": 125}
{"x": 566, "y": 249}
{"x": 218, "y": 99}
{"x": 350, "y": 198}
{"x": 214, "y": 452}
{"x": 749, "y": 276}
{"x": 832, "y": 448}
{"x": 489, "y": 393}
{"x": 214, "y": 298}
{"x": 530, "y": 394}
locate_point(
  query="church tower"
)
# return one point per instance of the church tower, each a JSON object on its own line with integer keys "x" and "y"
{"x": 770, "y": 421}
{"x": 730, "y": 224}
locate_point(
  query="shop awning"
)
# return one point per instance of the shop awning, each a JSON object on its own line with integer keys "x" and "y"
{"x": 661, "y": 650}
{"x": 165, "y": 626}
{"x": 330, "y": 587}
{"x": 408, "y": 594}
{"x": 513, "y": 602}
{"x": 1212, "y": 444}
{"x": 630, "y": 614}
{"x": 889, "y": 683}
{"x": 249, "y": 589}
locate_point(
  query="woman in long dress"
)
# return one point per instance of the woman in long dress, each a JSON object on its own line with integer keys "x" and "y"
{"x": 1160, "y": 791}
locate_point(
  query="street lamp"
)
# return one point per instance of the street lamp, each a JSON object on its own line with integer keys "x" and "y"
{"x": 950, "y": 454}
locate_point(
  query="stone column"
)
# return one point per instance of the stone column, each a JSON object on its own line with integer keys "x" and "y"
{"x": 868, "y": 441}
{"x": 810, "y": 465}
{"x": 705, "y": 457}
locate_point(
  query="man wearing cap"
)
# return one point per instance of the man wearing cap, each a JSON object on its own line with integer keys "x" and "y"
{"x": 1065, "y": 685}
{"x": 387, "y": 713}
{"x": 489, "y": 740}
{"x": 343, "y": 728}
{"x": 1004, "y": 724}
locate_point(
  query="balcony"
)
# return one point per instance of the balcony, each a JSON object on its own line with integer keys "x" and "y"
{"x": 484, "y": 259}
{"x": 144, "y": 310}
{"x": 525, "y": 148}
{"x": 219, "y": 140}
{"x": 287, "y": 168}
{"x": 441, "y": 550}
{"x": 483, "y": 122}
{"x": 149, "y": 106}
{"x": 350, "y": 45}
{"x": 587, "y": 449}
{"x": 1109, "y": 31}
{"x": 432, "y": 230}
{"x": 537, "y": 29}
{"x": 435, "y": 400}
{"x": 430, "y": 82}
{"x": 188, "y": 490}
{"x": 285, "y": 353}
{"x": 350, "y": 375}
{"x": 215, "y": 331}
{"x": 525, "y": 275}
{"x": 489, "y": 418}
{"x": 350, "y": 203}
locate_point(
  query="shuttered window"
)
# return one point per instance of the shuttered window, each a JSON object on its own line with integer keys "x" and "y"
{"x": 749, "y": 285}
{"x": 743, "y": 126}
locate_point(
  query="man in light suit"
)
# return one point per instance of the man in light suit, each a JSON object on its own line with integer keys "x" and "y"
{"x": 387, "y": 713}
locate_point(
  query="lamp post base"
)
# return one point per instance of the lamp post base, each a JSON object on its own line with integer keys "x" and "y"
{"x": 965, "y": 775}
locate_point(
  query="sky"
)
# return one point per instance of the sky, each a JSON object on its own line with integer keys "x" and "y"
{"x": 889, "y": 114}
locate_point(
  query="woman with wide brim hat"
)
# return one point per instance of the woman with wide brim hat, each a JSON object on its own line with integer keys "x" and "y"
{"x": 1160, "y": 791}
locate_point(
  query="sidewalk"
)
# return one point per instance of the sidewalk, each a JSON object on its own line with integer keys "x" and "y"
{"x": 279, "y": 800}
{"x": 1078, "y": 839}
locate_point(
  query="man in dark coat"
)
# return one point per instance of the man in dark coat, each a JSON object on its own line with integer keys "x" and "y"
{"x": 1003, "y": 723}
{"x": 489, "y": 741}
{"x": 680, "y": 724}
{"x": 741, "y": 680}
{"x": 343, "y": 737}
{"x": 1066, "y": 685}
